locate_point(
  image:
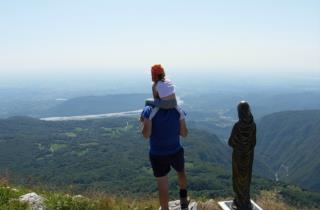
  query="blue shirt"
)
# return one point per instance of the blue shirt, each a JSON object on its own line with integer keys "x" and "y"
{"x": 165, "y": 134}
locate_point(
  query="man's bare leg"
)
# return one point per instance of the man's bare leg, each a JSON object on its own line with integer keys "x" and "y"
{"x": 163, "y": 192}
{"x": 182, "y": 180}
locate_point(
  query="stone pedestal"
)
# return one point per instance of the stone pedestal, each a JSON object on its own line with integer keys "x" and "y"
{"x": 226, "y": 205}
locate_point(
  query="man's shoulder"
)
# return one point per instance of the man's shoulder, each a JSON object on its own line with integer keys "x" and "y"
{"x": 175, "y": 112}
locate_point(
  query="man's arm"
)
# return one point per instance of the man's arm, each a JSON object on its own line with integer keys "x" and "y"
{"x": 183, "y": 128}
{"x": 146, "y": 121}
{"x": 146, "y": 128}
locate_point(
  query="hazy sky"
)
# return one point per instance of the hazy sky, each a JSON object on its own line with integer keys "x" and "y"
{"x": 124, "y": 34}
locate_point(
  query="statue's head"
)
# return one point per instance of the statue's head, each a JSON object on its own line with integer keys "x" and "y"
{"x": 244, "y": 112}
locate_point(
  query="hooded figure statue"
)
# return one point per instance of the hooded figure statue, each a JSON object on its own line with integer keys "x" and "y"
{"x": 243, "y": 141}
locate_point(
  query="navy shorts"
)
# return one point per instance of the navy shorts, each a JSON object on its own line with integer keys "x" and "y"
{"x": 161, "y": 164}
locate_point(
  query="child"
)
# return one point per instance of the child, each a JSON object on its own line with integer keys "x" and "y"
{"x": 163, "y": 90}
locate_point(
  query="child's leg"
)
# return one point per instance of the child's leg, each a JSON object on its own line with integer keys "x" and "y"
{"x": 151, "y": 102}
{"x": 167, "y": 104}
{"x": 162, "y": 104}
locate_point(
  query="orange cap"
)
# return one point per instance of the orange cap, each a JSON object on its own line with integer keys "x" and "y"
{"x": 156, "y": 70}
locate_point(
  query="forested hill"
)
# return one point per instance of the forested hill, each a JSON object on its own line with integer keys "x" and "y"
{"x": 106, "y": 153}
{"x": 289, "y": 142}
{"x": 110, "y": 155}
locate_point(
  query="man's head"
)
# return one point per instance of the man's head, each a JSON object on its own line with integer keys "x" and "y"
{"x": 157, "y": 72}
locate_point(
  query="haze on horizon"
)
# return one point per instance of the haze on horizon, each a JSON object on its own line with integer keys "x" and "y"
{"x": 83, "y": 35}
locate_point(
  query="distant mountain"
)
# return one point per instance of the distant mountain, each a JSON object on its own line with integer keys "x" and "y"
{"x": 307, "y": 100}
{"x": 289, "y": 142}
{"x": 88, "y": 105}
{"x": 262, "y": 104}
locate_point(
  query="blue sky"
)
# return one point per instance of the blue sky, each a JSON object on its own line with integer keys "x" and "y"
{"x": 78, "y": 35}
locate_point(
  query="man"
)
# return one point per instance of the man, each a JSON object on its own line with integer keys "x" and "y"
{"x": 163, "y": 128}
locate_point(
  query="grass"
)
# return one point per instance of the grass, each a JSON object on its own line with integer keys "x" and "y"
{"x": 93, "y": 200}
{"x": 271, "y": 201}
{"x": 9, "y": 200}
{"x": 9, "y": 197}
{"x": 99, "y": 202}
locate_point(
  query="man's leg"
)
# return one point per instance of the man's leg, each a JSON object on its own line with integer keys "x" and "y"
{"x": 163, "y": 192}
{"x": 182, "y": 179}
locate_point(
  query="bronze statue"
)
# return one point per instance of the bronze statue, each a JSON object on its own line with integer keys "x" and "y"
{"x": 243, "y": 141}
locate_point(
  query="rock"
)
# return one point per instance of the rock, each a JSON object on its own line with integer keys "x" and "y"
{"x": 78, "y": 197}
{"x": 35, "y": 201}
{"x": 175, "y": 205}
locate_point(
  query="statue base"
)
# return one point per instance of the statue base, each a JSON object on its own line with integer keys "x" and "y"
{"x": 226, "y": 205}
